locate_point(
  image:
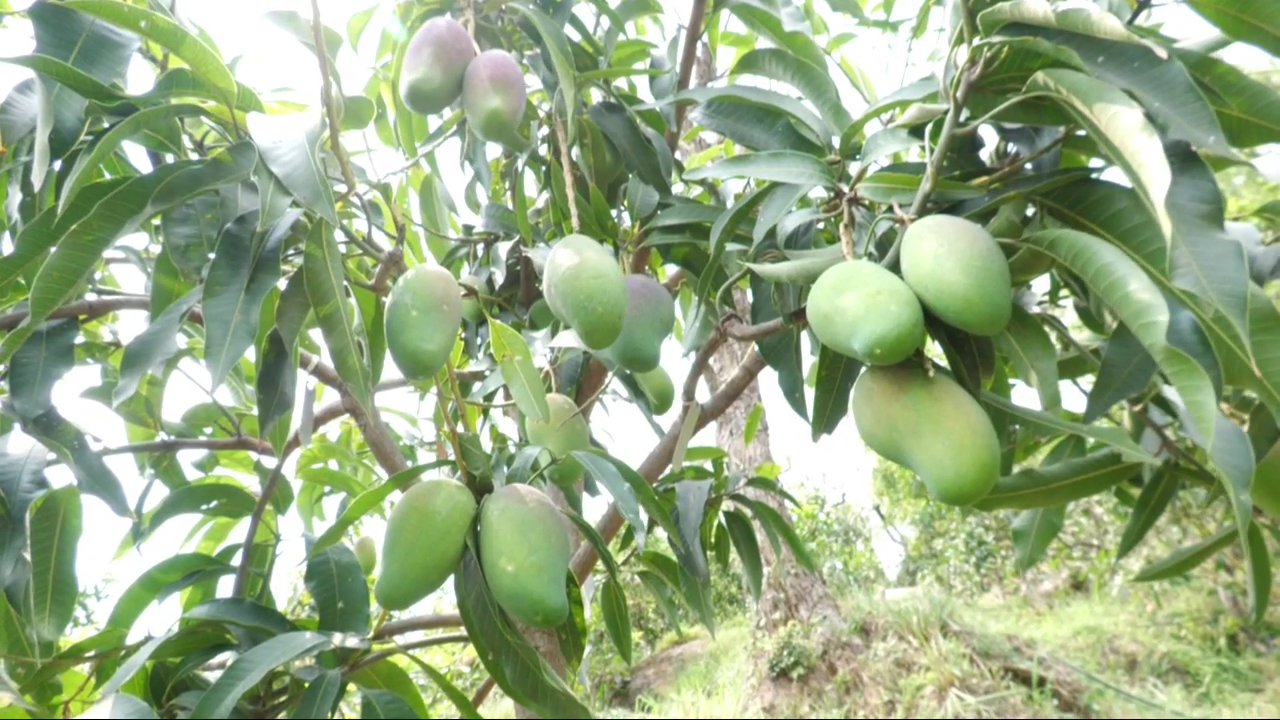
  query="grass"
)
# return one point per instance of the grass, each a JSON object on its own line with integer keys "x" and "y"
{"x": 930, "y": 657}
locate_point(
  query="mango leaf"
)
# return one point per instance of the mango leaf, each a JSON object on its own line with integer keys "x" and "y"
{"x": 262, "y": 622}
{"x": 772, "y": 520}
{"x": 275, "y": 383}
{"x": 209, "y": 498}
{"x": 743, "y": 536}
{"x": 1138, "y": 303}
{"x": 465, "y": 707}
{"x": 515, "y": 362}
{"x": 753, "y": 125}
{"x": 247, "y": 670}
{"x": 1187, "y": 558}
{"x": 340, "y": 590}
{"x": 812, "y": 81}
{"x": 557, "y": 45}
{"x": 388, "y": 676}
{"x": 1259, "y": 573}
{"x": 323, "y": 269}
{"x": 617, "y": 617}
{"x": 118, "y": 213}
{"x": 155, "y": 344}
{"x": 65, "y": 440}
{"x": 1127, "y": 369}
{"x": 36, "y": 237}
{"x": 605, "y": 473}
{"x": 690, "y": 508}
{"x": 161, "y": 580}
{"x": 384, "y": 704}
{"x": 1047, "y": 424}
{"x": 783, "y": 166}
{"x": 1033, "y": 530}
{"x": 56, "y": 522}
{"x": 1034, "y": 358}
{"x": 831, "y": 391}
{"x": 320, "y": 697}
{"x": 168, "y": 34}
{"x": 774, "y": 104}
{"x": 22, "y": 480}
{"x": 1120, "y": 127}
{"x": 294, "y": 159}
{"x": 1088, "y": 20}
{"x": 120, "y": 705}
{"x": 39, "y": 364}
{"x": 1251, "y": 21}
{"x": 1059, "y": 483}
{"x": 802, "y": 270}
{"x": 1248, "y": 110}
{"x": 516, "y": 667}
{"x": 75, "y": 79}
{"x": 633, "y": 147}
{"x": 901, "y": 188}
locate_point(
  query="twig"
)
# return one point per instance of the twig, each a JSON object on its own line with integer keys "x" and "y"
{"x": 688, "y": 53}
{"x": 968, "y": 74}
{"x": 241, "y": 587}
{"x": 86, "y": 309}
{"x": 418, "y": 623}
{"x": 482, "y": 693}
{"x": 381, "y": 655}
{"x": 760, "y": 331}
{"x": 331, "y": 109}
{"x": 566, "y": 166}
{"x": 241, "y": 442}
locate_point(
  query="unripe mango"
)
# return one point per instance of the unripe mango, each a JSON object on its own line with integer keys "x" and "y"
{"x": 494, "y": 95}
{"x": 959, "y": 273}
{"x": 930, "y": 426}
{"x": 586, "y": 290}
{"x": 650, "y": 317}
{"x": 525, "y": 553}
{"x": 367, "y": 554}
{"x": 423, "y": 544}
{"x": 658, "y": 388}
{"x": 564, "y": 431}
{"x": 424, "y": 314}
{"x": 863, "y": 311}
{"x": 434, "y": 65}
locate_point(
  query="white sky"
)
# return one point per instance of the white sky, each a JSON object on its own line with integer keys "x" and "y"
{"x": 269, "y": 60}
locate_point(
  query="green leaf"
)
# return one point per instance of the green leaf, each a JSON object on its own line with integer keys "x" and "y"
{"x": 743, "y": 536}
{"x": 370, "y": 499}
{"x": 799, "y": 269}
{"x": 320, "y": 697}
{"x": 294, "y": 158}
{"x": 275, "y": 383}
{"x": 465, "y": 708}
{"x": 388, "y": 676}
{"x": 1059, "y": 483}
{"x": 783, "y": 166}
{"x": 832, "y": 388}
{"x": 247, "y": 670}
{"x": 323, "y": 270}
{"x": 1248, "y": 110}
{"x": 384, "y": 704}
{"x": 120, "y": 705}
{"x": 1251, "y": 21}
{"x": 557, "y": 45}
{"x": 1259, "y": 573}
{"x": 1127, "y": 369}
{"x": 262, "y": 621}
{"x": 515, "y": 362}
{"x": 130, "y": 667}
{"x": 1034, "y": 358}
{"x": 56, "y": 523}
{"x": 518, "y": 669}
{"x": 22, "y": 480}
{"x": 901, "y": 188}
{"x": 65, "y": 440}
{"x": 168, "y": 34}
{"x": 210, "y": 498}
{"x": 769, "y": 106}
{"x": 1047, "y": 424}
{"x": 243, "y": 271}
{"x": 39, "y": 364}
{"x": 1187, "y": 558}
{"x": 1139, "y": 304}
{"x": 690, "y": 508}
{"x": 1120, "y": 127}
{"x": 140, "y": 122}
{"x": 155, "y": 344}
{"x": 340, "y": 590}
{"x": 118, "y": 213}
{"x": 74, "y": 78}
{"x": 302, "y": 30}
{"x": 1089, "y": 20}
{"x": 769, "y": 517}
{"x": 36, "y": 237}
{"x": 605, "y": 473}
{"x": 1033, "y": 530}
{"x": 753, "y": 125}
{"x": 159, "y": 581}
{"x": 812, "y": 81}
{"x": 1152, "y": 501}
{"x": 617, "y": 617}
{"x": 637, "y": 153}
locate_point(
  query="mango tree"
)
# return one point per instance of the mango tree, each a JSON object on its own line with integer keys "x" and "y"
{"x": 1038, "y": 209}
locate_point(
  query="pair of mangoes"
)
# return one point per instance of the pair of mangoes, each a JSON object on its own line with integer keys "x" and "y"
{"x": 923, "y": 421}
{"x": 524, "y": 548}
{"x": 624, "y": 318}
{"x": 441, "y": 65}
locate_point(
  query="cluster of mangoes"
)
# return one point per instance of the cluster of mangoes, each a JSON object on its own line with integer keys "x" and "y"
{"x": 524, "y": 548}
{"x": 442, "y": 64}
{"x": 921, "y": 420}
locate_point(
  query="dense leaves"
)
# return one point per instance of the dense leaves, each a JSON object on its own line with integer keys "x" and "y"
{"x": 207, "y": 266}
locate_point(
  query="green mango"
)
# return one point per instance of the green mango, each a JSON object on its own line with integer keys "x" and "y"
{"x": 564, "y": 431}
{"x": 586, "y": 290}
{"x": 959, "y": 272}
{"x": 658, "y": 389}
{"x": 367, "y": 554}
{"x": 423, "y": 317}
{"x": 650, "y": 318}
{"x": 525, "y": 553}
{"x": 932, "y": 427}
{"x": 434, "y": 64}
{"x": 863, "y": 311}
{"x": 423, "y": 544}
{"x": 494, "y": 95}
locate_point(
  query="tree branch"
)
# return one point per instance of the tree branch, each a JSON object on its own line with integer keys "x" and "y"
{"x": 418, "y": 623}
{"x": 326, "y": 96}
{"x": 660, "y": 457}
{"x": 688, "y": 54}
{"x": 87, "y": 309}
{"x": 374, "y": 657}
{"x": 242, "y": 442}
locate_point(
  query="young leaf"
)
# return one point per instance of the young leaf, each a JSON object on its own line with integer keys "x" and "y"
{"x": 250, "y": 668}
{"x": 515, "y": 362}
{"x": 1060, "y": 483}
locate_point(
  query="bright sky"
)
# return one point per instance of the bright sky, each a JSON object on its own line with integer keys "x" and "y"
{"x": 270, "y": 61}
